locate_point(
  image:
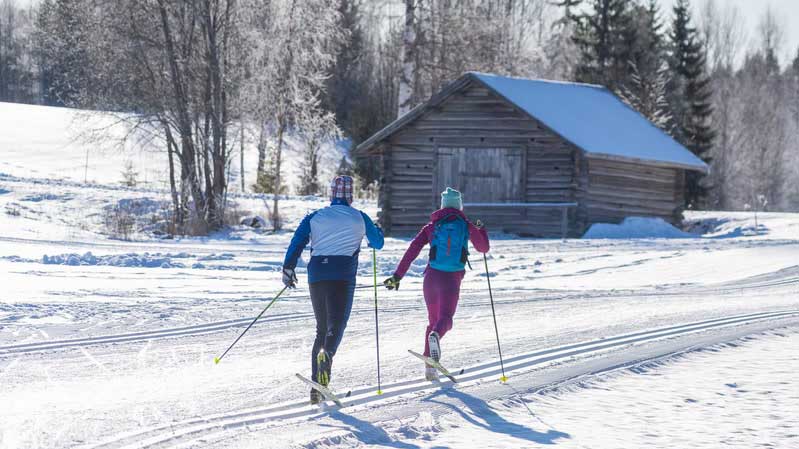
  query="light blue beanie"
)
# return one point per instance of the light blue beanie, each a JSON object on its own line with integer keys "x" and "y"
{"x": 451, "y": 198}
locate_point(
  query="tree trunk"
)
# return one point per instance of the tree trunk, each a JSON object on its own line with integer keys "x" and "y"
{"x": 261, "y": 152}
{"x": 276, "y": 222}
{"x": 215, "y": 113}
{"x": 171, "y": 149}
{"x": 181, "y": 105}
{"x": 241, "y": 158}
{"x": 407, "y": 78}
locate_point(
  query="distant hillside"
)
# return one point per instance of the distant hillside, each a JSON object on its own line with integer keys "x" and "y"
{"x": 47, "y": 142}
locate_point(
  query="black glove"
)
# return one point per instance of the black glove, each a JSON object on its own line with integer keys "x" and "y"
{"x": 289, "y": 278}
{"x": 478, "y": 224}
{"x": 392, "y": 283}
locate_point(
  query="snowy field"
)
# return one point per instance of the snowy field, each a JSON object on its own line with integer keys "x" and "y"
{"x": 110, "y": 343}
{"x": 742, "y": 394}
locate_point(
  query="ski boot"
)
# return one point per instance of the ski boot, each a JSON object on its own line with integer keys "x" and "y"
{"x": 324, "y": 362}
{"x": 316, "y": 397}
{"x": 430, "y": 373}
{"x": 435, "y": 346}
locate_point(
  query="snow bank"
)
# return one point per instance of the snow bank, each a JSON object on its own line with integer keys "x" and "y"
{"x": 145, "y": 260}
{"x": 636, "y": 228}
{"x": 154, "y": 260}
{"x": 722, "y": 225}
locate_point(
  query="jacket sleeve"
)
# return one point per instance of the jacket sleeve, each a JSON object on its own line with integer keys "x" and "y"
{"x": 479, "y": 238}
{"x": 298, "y": 243}
{"x": 421, "y": 239}
{"x": 374, "y": 235}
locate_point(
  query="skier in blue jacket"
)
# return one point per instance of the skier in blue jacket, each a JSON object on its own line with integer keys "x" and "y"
{"x": 335, "y": 233}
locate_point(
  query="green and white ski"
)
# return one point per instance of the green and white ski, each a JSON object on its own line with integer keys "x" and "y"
{"x": 435, "y": 365}
{"x": 326, "y": 392}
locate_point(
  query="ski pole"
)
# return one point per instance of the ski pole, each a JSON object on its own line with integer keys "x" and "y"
{"x": 218, "y": 359}
{"x": 504, "y": 378}
{"x": 377, "y": 327}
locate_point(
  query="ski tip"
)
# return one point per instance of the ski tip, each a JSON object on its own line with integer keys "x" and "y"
{"x": 216, "y": 360}
{"x": 503, "y": 379}
{"x": 379, "y": 392}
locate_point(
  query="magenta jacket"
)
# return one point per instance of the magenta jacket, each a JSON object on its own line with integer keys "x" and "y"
{"x": 478, "y": 237}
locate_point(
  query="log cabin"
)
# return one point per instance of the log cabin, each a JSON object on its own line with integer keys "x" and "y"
{"x": 531, "y": 157}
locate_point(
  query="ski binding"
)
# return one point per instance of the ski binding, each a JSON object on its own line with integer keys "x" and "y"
{"x": 435, "y": 365}
{"x": 326, "y": 392}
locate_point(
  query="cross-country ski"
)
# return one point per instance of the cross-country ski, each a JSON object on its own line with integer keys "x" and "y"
{"x": 326, "y": 392}
{"x": 436, "y": 365}
{"x": 412, "y": 224}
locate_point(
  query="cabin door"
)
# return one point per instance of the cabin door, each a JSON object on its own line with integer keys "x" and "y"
{"x": 483, "y": 175}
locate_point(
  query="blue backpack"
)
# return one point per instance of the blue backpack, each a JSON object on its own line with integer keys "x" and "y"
{"x": 449, "y": 246}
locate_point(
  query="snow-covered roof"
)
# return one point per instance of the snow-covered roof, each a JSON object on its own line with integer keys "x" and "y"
{"x": 588, "y": 116}
{"x": 594, "y": 119}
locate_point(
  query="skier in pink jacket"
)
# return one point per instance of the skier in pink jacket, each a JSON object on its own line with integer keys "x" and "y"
{"x": 448, "y": 233}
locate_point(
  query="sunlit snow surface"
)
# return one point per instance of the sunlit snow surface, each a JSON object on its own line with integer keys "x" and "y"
{"x": 125, "y": 332}
{"x": 734, "y": 396}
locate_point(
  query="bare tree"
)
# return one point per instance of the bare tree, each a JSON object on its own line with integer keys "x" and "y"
{"x": 296, "y": 42}
{"x": 724, "y": 34}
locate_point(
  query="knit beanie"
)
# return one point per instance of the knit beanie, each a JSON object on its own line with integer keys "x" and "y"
{"x": 341, "y": 187}
{"x": 451, "y": 198}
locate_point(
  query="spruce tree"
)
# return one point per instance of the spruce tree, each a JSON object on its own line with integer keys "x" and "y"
{"x": 62, "y": 42}
{"x": 603, "y": 37}
{"x": 646, "y": 89}
{"x": 345, "y": 167}
{"x": 795, "y": 64}
{"x": 690, "y": 97}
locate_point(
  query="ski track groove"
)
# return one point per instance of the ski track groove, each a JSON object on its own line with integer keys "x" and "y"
{"x": 753, "y": 283}
{"x": 175, "y": 434}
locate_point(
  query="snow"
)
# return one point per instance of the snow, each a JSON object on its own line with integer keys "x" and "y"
{"x": 105, "y": 340}
{"x": 68, "y": 144}
{"x": 734, "y": 395}
{"x": 636, "y": 228}
{"x": 594, "y": 119}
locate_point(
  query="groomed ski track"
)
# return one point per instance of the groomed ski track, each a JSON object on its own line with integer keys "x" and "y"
{"x": 782, "y": 278}
{"x": 528, "y": 372}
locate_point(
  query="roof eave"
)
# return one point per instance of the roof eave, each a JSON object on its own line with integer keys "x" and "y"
{"x": 704, "y": 168}
{"x": 415, "y": 113}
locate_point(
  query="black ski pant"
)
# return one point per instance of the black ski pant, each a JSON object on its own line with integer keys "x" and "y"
{"x": 332, "y": 304}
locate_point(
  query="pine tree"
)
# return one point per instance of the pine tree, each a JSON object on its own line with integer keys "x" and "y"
{"x": 266, "y": 177}
{"x": 603, "y": 37}
{"x": 309, "y": 181}
{"x": 345, "y": 167}
{"x": 344, "y": 86}
{"x": 690, "y": 97}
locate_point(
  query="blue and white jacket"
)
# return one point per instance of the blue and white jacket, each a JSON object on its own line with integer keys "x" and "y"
{"x": 335, "y": 233}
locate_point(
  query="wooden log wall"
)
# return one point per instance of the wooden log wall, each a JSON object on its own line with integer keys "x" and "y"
{"x": 476, "y": 118}
{"x": 554, "y": 171}
{"x": 622, "y": 189}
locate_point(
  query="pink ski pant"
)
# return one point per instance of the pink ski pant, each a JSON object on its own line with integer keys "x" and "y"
{"x": 441, "y": 293}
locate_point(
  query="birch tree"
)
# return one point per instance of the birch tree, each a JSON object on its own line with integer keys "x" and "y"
{"x": 408, "y": 72}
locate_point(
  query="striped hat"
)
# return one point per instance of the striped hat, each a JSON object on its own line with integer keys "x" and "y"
{"x": 341, "y": 187}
